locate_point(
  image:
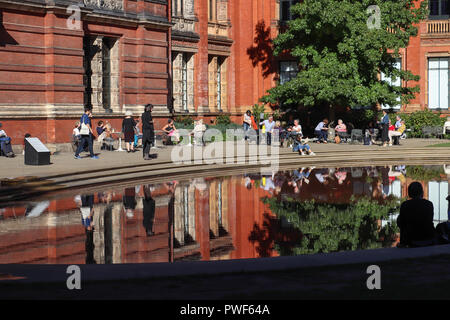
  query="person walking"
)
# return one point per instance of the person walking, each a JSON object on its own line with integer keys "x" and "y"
{"x": 128, "y": 129}
{"x": 385, "y": 128}
{"x": 269, "y": 126}
{"x": 86, "y": 134}
{"x": 148, "y": 131}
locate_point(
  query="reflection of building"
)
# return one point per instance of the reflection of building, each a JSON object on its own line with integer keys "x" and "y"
{"x": 205, "y": 219}
{"x": 209, "y": 220}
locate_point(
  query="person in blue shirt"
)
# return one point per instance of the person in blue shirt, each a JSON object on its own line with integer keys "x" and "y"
{"x": 321, "y": 131}
{"x": 385, "y": 128}
{"x": 270, "y": 126}
{"x": 86, "y": 138}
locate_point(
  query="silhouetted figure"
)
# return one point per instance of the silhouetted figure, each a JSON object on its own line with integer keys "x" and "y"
{"x": 148, "y": 131}
{"x": 416, "y": 219}
{"x": 149, "y": 206}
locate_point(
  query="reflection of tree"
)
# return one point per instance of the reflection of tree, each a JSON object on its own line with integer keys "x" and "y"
{"x": 319, "y": 228}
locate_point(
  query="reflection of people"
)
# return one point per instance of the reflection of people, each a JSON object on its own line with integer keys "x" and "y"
{"x": 149, "y": 206}
{"x": 416, "y": 218}
{"x": 129, "y": 201}
{"x": 87, "y": 215}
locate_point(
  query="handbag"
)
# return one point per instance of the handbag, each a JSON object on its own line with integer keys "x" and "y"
{"x": 84, "y": 131}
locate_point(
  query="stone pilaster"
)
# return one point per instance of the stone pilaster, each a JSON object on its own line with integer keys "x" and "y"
{"x": 97, "y": 74}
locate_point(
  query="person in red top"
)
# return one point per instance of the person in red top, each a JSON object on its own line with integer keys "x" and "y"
{"x": 256, "y": 128}
{"x": 391, "y": 126}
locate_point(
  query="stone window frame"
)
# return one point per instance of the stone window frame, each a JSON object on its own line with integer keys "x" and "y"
{"x": 289, "y": 4}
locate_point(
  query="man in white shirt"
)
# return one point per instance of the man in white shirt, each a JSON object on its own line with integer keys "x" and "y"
{"x": 270, "y": 125}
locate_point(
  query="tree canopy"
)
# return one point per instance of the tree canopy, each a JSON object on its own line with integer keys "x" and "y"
{"x": 341, "y": 54}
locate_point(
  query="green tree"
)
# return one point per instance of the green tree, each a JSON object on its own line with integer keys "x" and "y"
{"x": 340, "y": 55}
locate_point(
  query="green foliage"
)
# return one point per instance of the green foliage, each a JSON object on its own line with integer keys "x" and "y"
{"x": 223, "y": 119}
{"x": 419, "y": 119}
{"x": 257, "y": 110}
{"x": 185, "y": 120}
{"x": 423, "y": 173}
{"x": 335, "y": 227}
{"x": 340, "y": 58}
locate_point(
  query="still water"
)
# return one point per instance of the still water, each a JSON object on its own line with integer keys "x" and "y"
{"x": 303, "y": 211}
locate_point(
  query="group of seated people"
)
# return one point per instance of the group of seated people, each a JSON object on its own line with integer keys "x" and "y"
{"x": 104, "y": 135}
{"x": 172, "y": 135}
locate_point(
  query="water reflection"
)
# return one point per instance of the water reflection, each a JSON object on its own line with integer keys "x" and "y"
{"x": 302, "y": 211}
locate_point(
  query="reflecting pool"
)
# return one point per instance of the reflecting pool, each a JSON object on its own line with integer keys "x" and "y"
{"x": 302, "y": 211}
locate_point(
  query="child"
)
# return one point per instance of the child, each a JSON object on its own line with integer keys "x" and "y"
{"x": 76, "y": 136}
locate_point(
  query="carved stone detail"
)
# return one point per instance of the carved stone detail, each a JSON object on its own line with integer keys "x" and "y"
{"x": 105, "y": 4}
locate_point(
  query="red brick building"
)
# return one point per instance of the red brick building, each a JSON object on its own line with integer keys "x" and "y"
{"x": 58, "y": 56}
{"x": 188, "y": 57}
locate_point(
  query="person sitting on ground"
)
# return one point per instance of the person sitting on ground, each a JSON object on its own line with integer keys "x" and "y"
{"x": 171, "y": 131}
{"x": 321, "y": 131}
{"x": 5, "y": 144}
{"x": 302, "y": 146}
{"x": 416, "y": 219}
{"x": 397, "y": 133}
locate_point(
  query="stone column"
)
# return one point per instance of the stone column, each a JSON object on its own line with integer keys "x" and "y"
{"x": 96, "y": 45}
{"x": 177, "y": 82}
{"x": 115, "y": 77}
{"x": 190, "y": 84}
{"x": 212, "y": 83}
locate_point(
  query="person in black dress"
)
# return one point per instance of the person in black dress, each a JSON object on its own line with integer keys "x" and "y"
{"x": 148, "y": 131}
{"x": 128, "y": 129}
